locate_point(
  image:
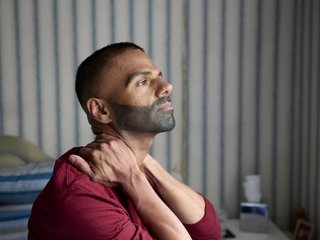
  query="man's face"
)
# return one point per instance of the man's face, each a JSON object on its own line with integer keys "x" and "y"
{"x": 140, "y": 98}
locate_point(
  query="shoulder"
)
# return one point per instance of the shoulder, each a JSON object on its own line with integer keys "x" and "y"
{"x": 66, "y": 178}
{"x": 72, "y": 204}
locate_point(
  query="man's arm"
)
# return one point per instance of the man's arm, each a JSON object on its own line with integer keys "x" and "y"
{"x": 156, "y": 215}
{"x": 190, "y": 207}
{"x": 112, "y": 163}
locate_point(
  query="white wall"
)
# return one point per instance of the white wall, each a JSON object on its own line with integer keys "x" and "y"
{"x": 245, "y": 76}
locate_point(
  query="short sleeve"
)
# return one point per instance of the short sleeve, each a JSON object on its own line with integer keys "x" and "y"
{"x": 208, "y": 228}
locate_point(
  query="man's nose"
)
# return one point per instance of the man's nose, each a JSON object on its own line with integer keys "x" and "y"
{"x": 164, "y": 89}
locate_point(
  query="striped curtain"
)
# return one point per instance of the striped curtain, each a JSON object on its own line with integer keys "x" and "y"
{"x": 246, "y": 87}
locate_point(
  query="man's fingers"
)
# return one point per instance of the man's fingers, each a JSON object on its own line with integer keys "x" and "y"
{"x": 80, "y": 164}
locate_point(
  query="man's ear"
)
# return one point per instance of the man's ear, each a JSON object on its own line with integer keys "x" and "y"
{"x": 98, "y": 110}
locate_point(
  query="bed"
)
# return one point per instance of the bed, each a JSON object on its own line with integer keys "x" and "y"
{"x": 24, "y": 171}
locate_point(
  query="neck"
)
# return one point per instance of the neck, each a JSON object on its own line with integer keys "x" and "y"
{"x": 139, "y": 143}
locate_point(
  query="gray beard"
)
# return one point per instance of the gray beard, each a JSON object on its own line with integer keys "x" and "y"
{"x": 143, "y": 118}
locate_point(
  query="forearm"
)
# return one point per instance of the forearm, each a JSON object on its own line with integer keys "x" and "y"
{"x": 158, "y": 218}
{"x": 187, "y": 204}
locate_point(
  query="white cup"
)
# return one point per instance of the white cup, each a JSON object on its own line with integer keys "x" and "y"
{"x": 253, "y": 178}
{"x": 252, "y": 188}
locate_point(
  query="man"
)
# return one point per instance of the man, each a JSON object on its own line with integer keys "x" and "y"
{"x": 120, "y": 191}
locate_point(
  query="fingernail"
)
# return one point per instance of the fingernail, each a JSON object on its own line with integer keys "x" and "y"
{"x": 72, "y": 159}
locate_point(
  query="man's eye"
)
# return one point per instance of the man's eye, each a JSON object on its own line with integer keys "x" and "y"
{"x": 142, "y": 82}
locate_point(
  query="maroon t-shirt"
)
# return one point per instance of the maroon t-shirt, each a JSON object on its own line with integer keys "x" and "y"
{"x": 72, "y": 206}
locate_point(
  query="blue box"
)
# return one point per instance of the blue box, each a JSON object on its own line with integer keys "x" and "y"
{"x": 254, "y": 217}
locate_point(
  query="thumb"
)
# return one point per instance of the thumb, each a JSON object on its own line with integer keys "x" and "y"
{"x": 79, "y": 163}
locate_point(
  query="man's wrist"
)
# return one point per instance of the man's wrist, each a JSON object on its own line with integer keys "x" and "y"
{"x": 133, "y": 181}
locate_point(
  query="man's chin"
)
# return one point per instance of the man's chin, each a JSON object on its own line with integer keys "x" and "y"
{"x": 170, "y": 127}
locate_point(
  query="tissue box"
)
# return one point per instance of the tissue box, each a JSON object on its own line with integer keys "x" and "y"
{"x": 254, "y": 217}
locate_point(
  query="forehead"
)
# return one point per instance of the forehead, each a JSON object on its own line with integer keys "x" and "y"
{"x": 133, "y": 60}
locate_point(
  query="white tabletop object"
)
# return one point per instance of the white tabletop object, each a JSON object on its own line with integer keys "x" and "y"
{"x": 274, "y": 233}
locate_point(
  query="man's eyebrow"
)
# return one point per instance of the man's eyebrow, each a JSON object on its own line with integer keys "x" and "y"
{"x": 139, "y": 73}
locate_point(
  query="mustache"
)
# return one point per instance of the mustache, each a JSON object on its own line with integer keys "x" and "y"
{"x": 161, "y": 101}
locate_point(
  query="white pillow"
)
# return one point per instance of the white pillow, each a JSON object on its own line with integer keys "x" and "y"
{"x": 21, "y": 184}
{"x": 22, "y": 148}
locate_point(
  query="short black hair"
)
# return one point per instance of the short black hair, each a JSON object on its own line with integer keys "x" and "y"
{"x": 89, "y": 71}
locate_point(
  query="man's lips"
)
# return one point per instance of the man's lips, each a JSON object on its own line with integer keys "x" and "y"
{"x": 166, "y": 107}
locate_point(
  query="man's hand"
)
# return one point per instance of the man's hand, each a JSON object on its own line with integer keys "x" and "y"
{"x": 108, "y": 160}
